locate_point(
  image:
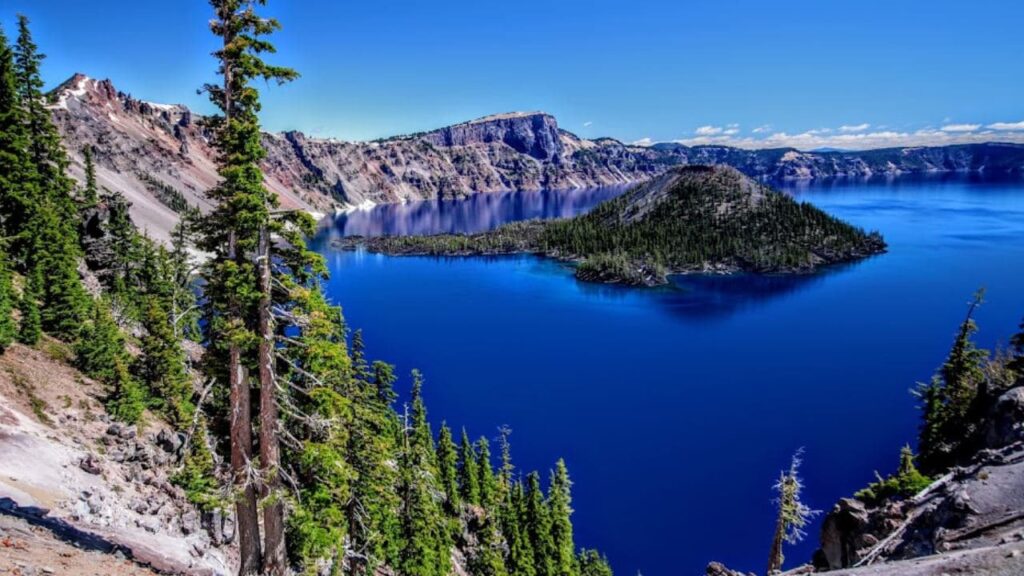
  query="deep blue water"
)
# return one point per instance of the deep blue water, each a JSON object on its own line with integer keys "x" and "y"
{"x": 676, "y": 408}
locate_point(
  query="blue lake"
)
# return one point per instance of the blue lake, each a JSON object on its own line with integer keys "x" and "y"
{"x": 676, "y": 408}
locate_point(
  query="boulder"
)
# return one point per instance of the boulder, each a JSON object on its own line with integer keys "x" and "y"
{"x": 842, "y": 534}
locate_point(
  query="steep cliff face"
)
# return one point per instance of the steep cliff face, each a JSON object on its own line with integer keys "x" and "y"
{"x": 159, "y": 157}
{"x": 532, "y": 133}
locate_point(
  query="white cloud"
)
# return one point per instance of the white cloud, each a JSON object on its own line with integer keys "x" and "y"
{"x": 642, "y": 142}
{"x": 960, "y": 127}
{"x": 853, "y": 137}
{"x": 854, "y": 127}
{"x": 1006, "y": 126}
{"x": 588, "y": 123}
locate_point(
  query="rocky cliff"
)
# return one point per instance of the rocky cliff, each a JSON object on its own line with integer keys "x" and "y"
{"x": 159, "y": 157}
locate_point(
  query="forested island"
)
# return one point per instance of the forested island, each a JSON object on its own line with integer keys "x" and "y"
{"x": 690, "y": 219}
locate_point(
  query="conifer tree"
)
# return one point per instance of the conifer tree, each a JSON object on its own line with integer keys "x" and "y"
{"x": 127, "y": 400}
{"x": 447, "y": 469}
{"x": 592, "y": 563}
{"x": 31, "y": 328}
{"x": 372, "y": 511}
{"x": 125, "y": 249}
{"x": 162, "y": 365}
{"x": 44, "y": 141}
{"x": 238, "y": 232}
{"x": 488, "y": 556}
{"x": 793, "y": 514}
{"x": 65, "y": 301}
{"x": 7, "y": 328}
{"x": 101, "y": 345}
{"x": 469, "y": 474}
{"x": 320, "y": 418}
{"x": 538, "y": 527}
{"x": 948, "y": 398}
{"x": 426, "y": 549}
{"x": 560, "y": 507}
{"x": 521, "y": 556}
{"x": 487, "y": 480}
{"x": 90, "y": 195}
{"x": 51, "y": 222}
{"x": 18, "y": 186}
{"x": 1017, "y": 343}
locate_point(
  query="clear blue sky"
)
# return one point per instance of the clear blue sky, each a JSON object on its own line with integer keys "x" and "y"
{"x": 657, "y": 69}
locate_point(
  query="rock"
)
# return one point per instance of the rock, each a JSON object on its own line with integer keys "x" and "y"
{"x": 170, "y": 441}
{"x": 1006, "y": 420}
{"x": 90, "y": 464}
{"x": 189, "y": 522}
{"x": 128, "y": 433}
{"x": 717, "y": 569}
{"x": 842, "y": 534}
{"x": 150, "y": 524}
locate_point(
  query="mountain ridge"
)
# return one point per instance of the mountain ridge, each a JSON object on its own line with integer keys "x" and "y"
{"x": 159, "y": 157}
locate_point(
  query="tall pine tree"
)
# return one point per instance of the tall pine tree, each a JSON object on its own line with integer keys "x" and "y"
{"x": 426, "y": 546}
{"x": 560, "y": 507}
{"x": 238, "y": 233}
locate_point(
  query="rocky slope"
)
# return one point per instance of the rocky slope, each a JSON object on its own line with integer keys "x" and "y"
{"x": 969, "y": 521}
{"x": 70, "y": 479}
{"x": 158, "y": 155}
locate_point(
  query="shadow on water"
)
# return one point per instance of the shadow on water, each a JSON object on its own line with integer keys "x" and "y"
{"x": 707, "y": 297}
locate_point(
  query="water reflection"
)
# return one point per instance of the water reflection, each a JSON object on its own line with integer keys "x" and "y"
{"x": 477, "y": 213}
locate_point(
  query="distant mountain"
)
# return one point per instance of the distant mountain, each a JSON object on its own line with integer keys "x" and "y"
{"x": 158, "y": 155}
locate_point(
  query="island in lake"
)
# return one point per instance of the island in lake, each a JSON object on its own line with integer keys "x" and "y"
{"x": 711, "y": 219}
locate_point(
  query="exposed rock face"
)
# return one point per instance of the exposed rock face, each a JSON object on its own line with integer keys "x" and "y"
{"x": 99, "y": 485}
{"x": 532, "y": 133}
{"x": 159, "y": 156}
{"x": 975, "y": 506}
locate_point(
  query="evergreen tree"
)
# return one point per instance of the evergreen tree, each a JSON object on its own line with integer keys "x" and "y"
{"x": 948, "y": 398}
{"x": 51, "y": 222}
{"x": 469, "y": 474}
{"x": 1017, "y": 343}
{"x": 488, "y": 556}
{"x": 65, "y": 301}
{"x": 197, "y": 476}
{"x": 384, "y": 380}
{"x": 101, "y": 345}
{"x": 372, "y": 511}
{"x": 592, "y": 563}
{"x": 487, "y": 480}
{"x": 793, "y": 515}
{"x": 18, "y": 183}
{"x": 31, "y": 324}
{"x": 238, "y": 233}
{"x": 426, "y": 549}
{"x": 7, "y": 328}
{"x": 90, "y": 195}
{"x": 447, "y": 469}
{"x": 537, "y": 526}
{"x": 127, "y": 399}
{"x": 560, "y": 509}
{"x": 162, "y": 366}
{"x": 320, "y": 418}
{"x": 513, "y": 525}
{"x": 125, "y": 249}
